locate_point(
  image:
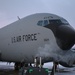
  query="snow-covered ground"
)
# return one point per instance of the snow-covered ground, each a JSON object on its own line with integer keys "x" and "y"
{"x": 6, "y": 65}
{"x": 61, "y": 71}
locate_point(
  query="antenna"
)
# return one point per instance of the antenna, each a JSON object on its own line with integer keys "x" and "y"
{"x": 18, "y": 17}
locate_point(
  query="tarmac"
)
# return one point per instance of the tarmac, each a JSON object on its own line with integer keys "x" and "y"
{"x": 12, "y": 72}
{"x": 8, "y": 72}
{"x": 8, "y": 69}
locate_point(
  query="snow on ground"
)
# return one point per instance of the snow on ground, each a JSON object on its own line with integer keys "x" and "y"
{"x": 6, "y": 65}
{"x": 62, "y": 70}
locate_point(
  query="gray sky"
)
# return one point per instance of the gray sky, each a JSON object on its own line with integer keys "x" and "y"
{"x": 10, "y": 9}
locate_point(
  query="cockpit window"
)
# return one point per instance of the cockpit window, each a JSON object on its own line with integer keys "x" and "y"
{"x": 57, "y": 21}
{"x": 64, "y": 21}
{"x": 40, "y": 23}
{"x": 45, "y": 22}
{"x": 52, "y": 22}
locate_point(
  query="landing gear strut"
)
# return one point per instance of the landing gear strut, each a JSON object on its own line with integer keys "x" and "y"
{"x": 17, "y": 66}
{"x": 54, "y": 68}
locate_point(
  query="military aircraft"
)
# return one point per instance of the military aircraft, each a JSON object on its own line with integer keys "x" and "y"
{"x": 43, "y": 35}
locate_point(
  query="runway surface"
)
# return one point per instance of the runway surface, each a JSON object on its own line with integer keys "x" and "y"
{"x": 8, "y": 69}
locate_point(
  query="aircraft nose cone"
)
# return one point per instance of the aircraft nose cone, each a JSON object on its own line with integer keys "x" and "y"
{"x": 66, "y": 32}
{"x": 66, "y": 37}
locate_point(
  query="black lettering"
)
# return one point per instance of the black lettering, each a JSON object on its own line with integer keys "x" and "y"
{"x": 14, "y": 40}
{"x": 29, "y": 37}
{"x": 46, "y": 39}
{"x": 23, "y": 38}
{"x": 32, "y": 37}
{"x": 19, "y": 38}
{"x": 35, "y": 37}
{"x": 26, "y": 37}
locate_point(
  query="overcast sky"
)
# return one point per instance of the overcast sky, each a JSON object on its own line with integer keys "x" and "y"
{"x": 10, "y": 9}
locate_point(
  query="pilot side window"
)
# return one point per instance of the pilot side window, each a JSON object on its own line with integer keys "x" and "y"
{"x": 40, "y": 23}
{"x": 45, "y": 22}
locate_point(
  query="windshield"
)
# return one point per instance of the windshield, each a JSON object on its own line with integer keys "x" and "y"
{"x": 52, "y": 22}
{"x": 64, "y": 21}
{"x": 55, "y": 22}
{"x": 58, "y": 22}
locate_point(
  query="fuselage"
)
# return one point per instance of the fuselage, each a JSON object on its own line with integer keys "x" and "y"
{"x": 27, "y": 38}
